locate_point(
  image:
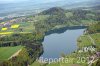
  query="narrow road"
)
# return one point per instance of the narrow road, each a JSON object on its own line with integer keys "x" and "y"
{"x": 15, "y": 54}
{"x": 92, "y": 40}
{"x": 91, "y": 62}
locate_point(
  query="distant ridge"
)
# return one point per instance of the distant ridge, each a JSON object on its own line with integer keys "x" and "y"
{"x": 82, "y": 4}
{"x": 53, "y": 11}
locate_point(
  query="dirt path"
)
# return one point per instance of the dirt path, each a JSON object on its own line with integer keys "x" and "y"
{"x": 92, "y": 40}
{"x": 91, "y": 62}
{"x": 15, "y": 54}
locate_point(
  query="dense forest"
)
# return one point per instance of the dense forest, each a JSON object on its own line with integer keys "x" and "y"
{"x": 58, "y": 17}
{"x": 94, "y": 28}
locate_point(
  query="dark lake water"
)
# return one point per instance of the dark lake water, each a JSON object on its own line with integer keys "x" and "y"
{"x": 57, "y": 43}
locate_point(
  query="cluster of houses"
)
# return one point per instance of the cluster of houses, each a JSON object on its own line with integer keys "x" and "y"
{"x": 8, "y": 24}
{"x": 98, "y": 54}
{"x": 13, "y": 20}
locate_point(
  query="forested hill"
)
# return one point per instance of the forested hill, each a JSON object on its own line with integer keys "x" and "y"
{"x": 53, "y": 11}
{"x": 57, "y": 17}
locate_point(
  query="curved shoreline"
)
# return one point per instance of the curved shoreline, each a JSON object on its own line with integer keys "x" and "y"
{"x": 62, "y": 29}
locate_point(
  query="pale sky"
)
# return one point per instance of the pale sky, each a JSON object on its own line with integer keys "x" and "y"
{"x": 25, "y": 0}
{"x": 10, "y": 0}
{"x": 43, "y": 1}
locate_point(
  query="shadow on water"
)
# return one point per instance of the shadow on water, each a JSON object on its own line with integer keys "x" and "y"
{"x": 62, "y": 30}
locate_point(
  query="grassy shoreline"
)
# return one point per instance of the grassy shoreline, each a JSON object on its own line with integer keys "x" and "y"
{"x": 83, "y": 41}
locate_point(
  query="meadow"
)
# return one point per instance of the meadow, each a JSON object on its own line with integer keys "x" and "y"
{"x": 7, "y": 52}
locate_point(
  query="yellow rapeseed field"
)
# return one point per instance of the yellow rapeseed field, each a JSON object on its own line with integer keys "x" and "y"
{"x": 3, "y": 29}
{"x": 15, "y": 26}
{"x": 5, "y": 33}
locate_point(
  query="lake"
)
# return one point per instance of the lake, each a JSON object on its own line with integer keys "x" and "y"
{"x": 55, "y": 44}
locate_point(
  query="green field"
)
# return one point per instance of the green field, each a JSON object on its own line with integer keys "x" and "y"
{"x": 7, "y": 52}
{"x": 96, "y": 38}
{"x": 23, "y": 27}
{"x": 36, "y": 64}
{"x": 84, "y": 41}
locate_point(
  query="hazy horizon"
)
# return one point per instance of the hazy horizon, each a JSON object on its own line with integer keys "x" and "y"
{"x": 39, "y": 1}
{"x": 20, "y": 7}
